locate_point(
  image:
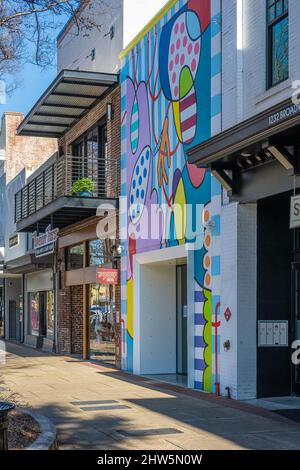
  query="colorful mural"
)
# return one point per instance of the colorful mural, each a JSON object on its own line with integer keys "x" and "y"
{"x": 171, "y": 101}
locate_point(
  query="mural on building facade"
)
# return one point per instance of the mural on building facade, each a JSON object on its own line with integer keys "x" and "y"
{"x": 167, "y": 108}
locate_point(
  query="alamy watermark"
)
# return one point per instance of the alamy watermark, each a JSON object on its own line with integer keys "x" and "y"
{"x": 162, "y": 223}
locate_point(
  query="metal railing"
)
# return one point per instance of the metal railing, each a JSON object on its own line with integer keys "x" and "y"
{"x": 58, "y": 178}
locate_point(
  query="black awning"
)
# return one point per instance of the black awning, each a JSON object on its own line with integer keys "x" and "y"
{"x": 275, "y": 120}
{"x": 66, "y": 100}
{"x": 63, "y": 212}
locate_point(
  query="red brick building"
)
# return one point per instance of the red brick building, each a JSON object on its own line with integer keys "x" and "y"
{"x": 81, "y": 110}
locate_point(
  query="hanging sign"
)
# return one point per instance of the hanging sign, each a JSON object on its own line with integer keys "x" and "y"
{"x": 108, "y": 277}
{"x": 44, "y": 244}
{"x": 295, "y": 212}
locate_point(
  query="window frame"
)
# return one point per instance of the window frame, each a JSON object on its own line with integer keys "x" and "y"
{"x": 67, "y": 257}
{"x": 271, "y": 24}
{"x": 108, "y": 254}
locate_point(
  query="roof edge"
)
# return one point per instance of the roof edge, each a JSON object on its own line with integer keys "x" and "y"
{"x": 159, "y": 15}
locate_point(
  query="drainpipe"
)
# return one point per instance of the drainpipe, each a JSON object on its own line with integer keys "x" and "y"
{"x": 239, "y": 60}
{"x": 216, "y": 325}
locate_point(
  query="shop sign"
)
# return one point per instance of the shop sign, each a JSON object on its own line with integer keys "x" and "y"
{"x": 13, "y": 241}
{"x": 108, "y": 277}
{"x": 295, "y": 212}
{"x": 44, "y": 244}
{"x": 283, "y": 114}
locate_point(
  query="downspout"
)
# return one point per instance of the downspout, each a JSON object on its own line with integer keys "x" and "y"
{"x": 240, "y": 60}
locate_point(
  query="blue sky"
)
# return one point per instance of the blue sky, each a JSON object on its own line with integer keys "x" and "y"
{"x": 33, "y": 81}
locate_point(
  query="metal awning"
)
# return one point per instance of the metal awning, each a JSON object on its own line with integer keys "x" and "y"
{"x": 283, "y": 117}
{"x": 63, "y": 212}
{"x": 66, "y": 100}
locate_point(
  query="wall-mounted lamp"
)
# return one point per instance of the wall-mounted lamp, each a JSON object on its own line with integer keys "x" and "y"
{"x": 110, "y": 33}
{"x": 109, "y": 111}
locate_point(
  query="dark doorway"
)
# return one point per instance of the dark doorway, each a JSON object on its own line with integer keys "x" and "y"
{"x": 296, "y": 323}
{"x": 43, "y": 313}
{"x": 182, "y": 321}
{"x": 12, "y": 307}
{"x": 274, "y": 302}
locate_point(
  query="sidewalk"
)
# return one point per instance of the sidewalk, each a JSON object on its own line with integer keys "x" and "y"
{"x": 96, "y": 407}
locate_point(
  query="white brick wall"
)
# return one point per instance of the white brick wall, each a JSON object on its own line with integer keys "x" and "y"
{"x": 238, "y": 292}
{"x": 253, "y": 58}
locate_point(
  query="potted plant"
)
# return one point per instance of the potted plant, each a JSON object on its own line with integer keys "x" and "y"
{"x": 83, "y": 187}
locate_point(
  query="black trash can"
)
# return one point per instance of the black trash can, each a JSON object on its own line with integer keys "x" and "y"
{"x": 5, "y": 408}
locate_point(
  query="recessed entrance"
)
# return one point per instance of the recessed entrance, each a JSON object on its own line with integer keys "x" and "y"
{"x": 182, "y": 321}
{"x": 102, "y": 323}
{"x": 278, "y": 294}
{"x": 161, "y": 320}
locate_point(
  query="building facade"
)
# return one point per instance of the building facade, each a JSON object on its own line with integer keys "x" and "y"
{"x": 212, "y": 85}
{"x": 255, "y": 157}
{"x": 171, "y": 97}
{"x": 20, "y": 156}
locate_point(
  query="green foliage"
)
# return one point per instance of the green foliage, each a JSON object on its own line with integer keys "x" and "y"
{"x": 83, "y": 185}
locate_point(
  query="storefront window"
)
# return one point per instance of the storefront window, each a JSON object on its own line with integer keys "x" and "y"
{"x": 99, "y": 252}
{"x": 50, "y": 314}
{"x": 75, "y": 257}
{"x": 41, "y": 314}
{"x": 34, "y": 317}
{"x": 102, "y": 324}
{"x": 278, "y": 41}
{"x": 1, "y": 313}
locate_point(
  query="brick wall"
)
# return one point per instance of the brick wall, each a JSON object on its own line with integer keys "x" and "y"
{"x": 238, "y": 292}
{"x": 22, "y": 151}
{"x": 70, "y": 320}
{"x": 70, "y": 311}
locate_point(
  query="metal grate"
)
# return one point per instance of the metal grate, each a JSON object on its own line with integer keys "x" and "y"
{"x": 57, "y": 180}
{"x": 150, "y": 432}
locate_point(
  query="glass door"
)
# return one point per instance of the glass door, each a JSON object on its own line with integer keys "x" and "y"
{"x": 102, "y": 324}
{"x": 296, "y": 321}
{"x": 43, "y": 313}
{"x": 182, "y": 319}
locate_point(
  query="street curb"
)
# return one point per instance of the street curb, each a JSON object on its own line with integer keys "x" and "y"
{"x": 48, "y": 438}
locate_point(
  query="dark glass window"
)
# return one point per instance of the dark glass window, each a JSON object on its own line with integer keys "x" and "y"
{"x": 99, "y": 252}
{"x": 278, "y": 41}
{"x": 90, "y": 152}
{"x": 75, "y": 257}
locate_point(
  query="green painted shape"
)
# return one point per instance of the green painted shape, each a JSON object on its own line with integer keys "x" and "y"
{"x": 207, "y": 334}
{"x": 186, "y": 82}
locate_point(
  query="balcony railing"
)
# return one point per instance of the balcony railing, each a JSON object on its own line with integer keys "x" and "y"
{"x": 57, "y": 179}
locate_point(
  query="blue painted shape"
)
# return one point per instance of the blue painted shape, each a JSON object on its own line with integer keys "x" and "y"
{"x": 199, "y": 319}
{"x": 215, "y": 265}
{"x": 200, "y": 364}
{"x": 199, "y": 297}
{"x": 199, "y": 342}
{"x": 193, "y": 25}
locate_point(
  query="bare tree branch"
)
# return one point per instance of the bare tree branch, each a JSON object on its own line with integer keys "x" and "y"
{"x": 28, "y": 29}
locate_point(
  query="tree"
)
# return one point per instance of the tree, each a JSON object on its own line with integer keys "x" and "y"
{"x": 28, "y": 29}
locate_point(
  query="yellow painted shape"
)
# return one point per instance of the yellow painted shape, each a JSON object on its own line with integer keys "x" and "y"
{"x": 129, "y": 317}
{"x": 176, "y": 114}
{"x": 180, "y": 213}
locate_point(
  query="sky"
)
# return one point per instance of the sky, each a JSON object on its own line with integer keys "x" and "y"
{"x": 32, "y": 82}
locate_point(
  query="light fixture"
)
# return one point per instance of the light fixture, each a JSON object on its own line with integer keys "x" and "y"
{"x": 109, "y": 111}
{"x": 281, "y": 156}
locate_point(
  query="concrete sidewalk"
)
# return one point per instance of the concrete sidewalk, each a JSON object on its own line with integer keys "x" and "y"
{"x": 96, "y": 407}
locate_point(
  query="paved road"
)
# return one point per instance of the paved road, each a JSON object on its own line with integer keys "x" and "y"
{"x": 95, "y": 407}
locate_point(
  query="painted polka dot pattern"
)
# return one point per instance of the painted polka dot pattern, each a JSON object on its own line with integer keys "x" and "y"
{"x": 183, "y": 52}
{"x": 139, "y": 185}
